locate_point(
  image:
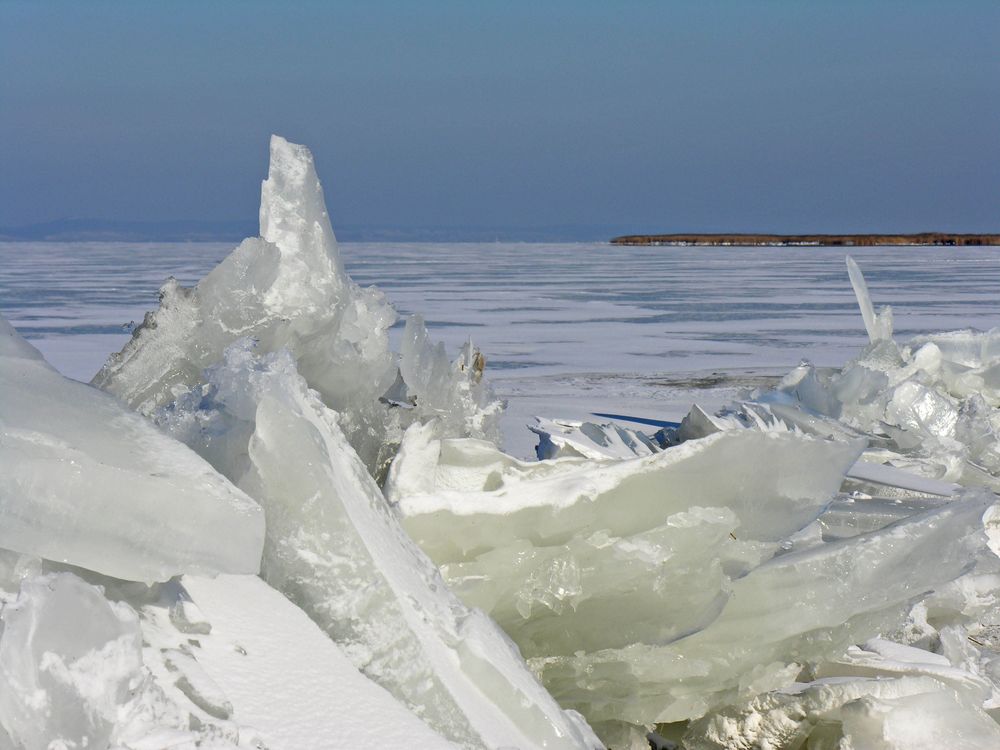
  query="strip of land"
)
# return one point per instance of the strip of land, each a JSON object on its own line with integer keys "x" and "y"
{"x": 809, "y": 240}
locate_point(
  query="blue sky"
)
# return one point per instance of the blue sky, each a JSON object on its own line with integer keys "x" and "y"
{"x": 632, "y": 116}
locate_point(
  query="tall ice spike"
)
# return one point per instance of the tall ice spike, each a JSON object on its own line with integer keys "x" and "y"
{"x": 878, "y": 325}
{"x": 864, "y": 298}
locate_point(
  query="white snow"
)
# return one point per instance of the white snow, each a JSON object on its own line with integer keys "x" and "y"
{"x": 287, "y": 679}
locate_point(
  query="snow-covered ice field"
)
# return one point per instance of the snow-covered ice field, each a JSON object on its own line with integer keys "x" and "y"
{"x": 815, "y": 564}
{"x": 567, "y": 329}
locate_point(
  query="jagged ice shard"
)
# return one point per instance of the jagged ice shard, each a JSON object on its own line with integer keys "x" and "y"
{"x": 335, "y": 548}
{"x": 85, "y": 481}
{"x": 276, "y": 368}
{"x": 928, "y": 406}
{"x": 288, "y": 290}
{"x": 656, "y": 589}
{"x": 796, "y": 608}
{"x": 878, "y": 325}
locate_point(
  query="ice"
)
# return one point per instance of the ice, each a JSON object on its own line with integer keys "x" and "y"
{"x": 334, "y": 547}
{"x": 929, "y": 410}
{"x": 83, "y": 480}
{"x": 879, "y": 657}
{"x": 81, "y": 665}
{"x": 878, "y": 325}
{"x": 798, "y": 607}
{"x": 928, "y": 407}
{"x": 68, "y": 659}
{"x": 559, "y": 551}
{"x": 850, "y": 515}
{"x": 888, "y": 476}
{"x": 112, "y": 665}
{"x": 926, "y": 411}
{"x": 560, "y": 438}
{"x": 276, "y": 368}
{"x": 289, "y": 291}
{"x": 909, "y": 713}
{"x": 426, "y": 463}
{"x": 769, "y": 414}
{"x": 924, "y": 721}
{"x": 454, "y": 394}
{"x": 569, "y": 328}
{"x": 881, "y": 695}
{"x": 728, "y": 590}
{"x": 625, "y": 497}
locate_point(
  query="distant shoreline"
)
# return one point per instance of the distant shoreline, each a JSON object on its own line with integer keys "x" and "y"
{"x": 922, "y": 239}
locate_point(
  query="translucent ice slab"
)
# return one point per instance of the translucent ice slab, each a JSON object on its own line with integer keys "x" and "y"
{"x": 631, "y": 496}
{"x": 559, "y": 438}
{"x": 287, "y": 288}
{"x": 84, "y": 480}
{"x": 598, "y": 569}
{"x": 335, "y": 548}
{"x": 798, "y": 607}
{"x": 878, "y": 325}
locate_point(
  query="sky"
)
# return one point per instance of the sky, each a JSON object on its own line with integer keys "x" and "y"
{"x": 459, "y": 119}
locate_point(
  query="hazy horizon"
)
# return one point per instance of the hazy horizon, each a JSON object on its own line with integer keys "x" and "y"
{"x": 83, "y": 231}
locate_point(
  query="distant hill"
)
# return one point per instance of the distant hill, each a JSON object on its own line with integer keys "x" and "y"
{"x": 806, "y": 240}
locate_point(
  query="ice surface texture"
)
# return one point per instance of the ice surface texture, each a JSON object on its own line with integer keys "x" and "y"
{"x": 84, "y": 480}
{"x": 334, "y": 547}
{"x": 882, "y": 696}
{"x": 288, "y": 290}
{"x": 648, "y": 589}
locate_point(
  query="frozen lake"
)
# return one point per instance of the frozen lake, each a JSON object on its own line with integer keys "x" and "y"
{"x": 567, "y": 328}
